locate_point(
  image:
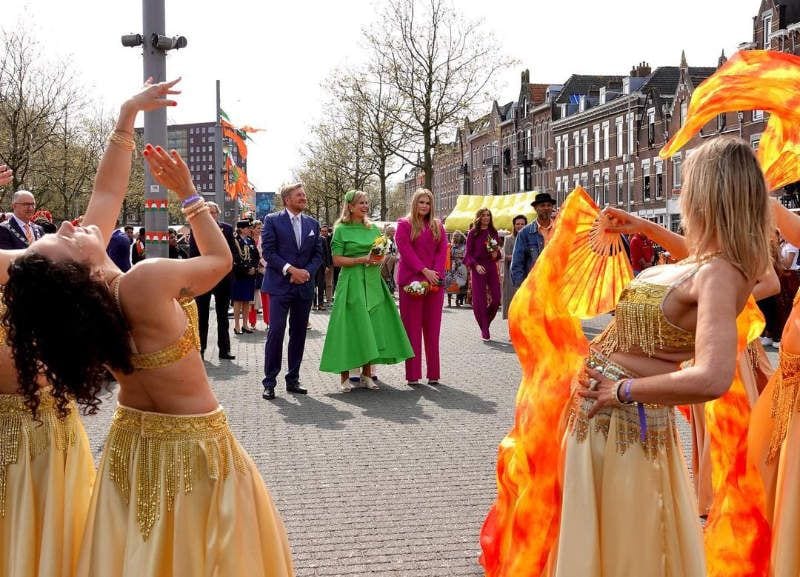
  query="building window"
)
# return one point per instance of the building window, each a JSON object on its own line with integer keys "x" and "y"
{"x": 606, "y": 140}
{"x": 630, "y": 135}
{"x": 767, "y": 29}
{"x": 651, "y": 125}
{"x": 684, "y": 110}
{"x": 577, "y": 140}
{"x": 620, "y": 141}
{"x": 585, "y": 138}
{"x": 558, "y": 153}
{"x": 566, "y": 150}
{"x": 646, "y": 181}
{"x": 676, "y": 171}
{"x": 597, "y": 191}
{"x": 755, "y": 140}
{"x": 722, "y": 120}
{"x": 620, "y": 186}
{"x": 758, "y": 115}
{"x": 605, "y": 186}
{"x": 659, "y": 184}
{"x": 596, "y": 143}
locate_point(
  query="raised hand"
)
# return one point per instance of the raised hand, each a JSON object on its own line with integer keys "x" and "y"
{"x": 153, "y": 96}
{"x": 617, "y": 220}
{"x": 169, "y": 170}
{"x": 6, "y": 175}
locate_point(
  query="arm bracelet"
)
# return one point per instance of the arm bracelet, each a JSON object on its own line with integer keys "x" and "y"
{"x": 187, "y": 201}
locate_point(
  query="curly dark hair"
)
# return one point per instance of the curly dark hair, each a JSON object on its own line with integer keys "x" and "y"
{"x": 64, "y": 325}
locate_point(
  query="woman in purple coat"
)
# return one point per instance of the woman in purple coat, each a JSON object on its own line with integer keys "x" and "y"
{"x": 422, "y": 246}
{"x": 483, "y": 252}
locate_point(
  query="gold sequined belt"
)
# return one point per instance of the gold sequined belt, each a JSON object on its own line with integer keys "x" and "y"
{"x": 162, "y": 453}
{"x": 784, "y": 399}
{"x": 17, "y": 428}
{"x": 660, "y": 420}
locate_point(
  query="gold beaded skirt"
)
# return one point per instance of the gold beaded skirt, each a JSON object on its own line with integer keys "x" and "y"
{"x": 628, "y": 507}
{"x": 176, "y": 495}
{"x": 46, "y": 477}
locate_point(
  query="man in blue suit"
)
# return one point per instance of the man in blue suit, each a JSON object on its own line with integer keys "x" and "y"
{"x": 292, "y": 248}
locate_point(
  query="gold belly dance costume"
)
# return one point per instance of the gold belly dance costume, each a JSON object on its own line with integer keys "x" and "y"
{"x": 184, "y": 498}
{"x": 46, "y": 477}
{"x": 627, "y": 505}
{"x": 639, "y": 323}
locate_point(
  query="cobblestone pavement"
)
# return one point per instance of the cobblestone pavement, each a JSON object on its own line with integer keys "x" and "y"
{"x": 393, "y": 482}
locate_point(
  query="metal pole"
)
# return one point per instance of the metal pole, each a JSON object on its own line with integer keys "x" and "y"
{"x": 156, "y": 217}
{"x": 219, "y": 192}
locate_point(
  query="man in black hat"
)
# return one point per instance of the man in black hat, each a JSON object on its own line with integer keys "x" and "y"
{"x": 531, "y": 239}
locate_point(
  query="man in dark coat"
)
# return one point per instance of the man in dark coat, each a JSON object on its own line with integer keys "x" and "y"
{"x": 221, "y": 292}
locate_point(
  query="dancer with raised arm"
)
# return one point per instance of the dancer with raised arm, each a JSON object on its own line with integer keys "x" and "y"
{"x": 176, "y": 494}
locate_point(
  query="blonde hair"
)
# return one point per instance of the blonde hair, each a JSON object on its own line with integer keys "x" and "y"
{"x": 347, "y": 214}
{"x": 288, "y": 188}
{"x": 724, "y": 202}
{"x": 418, "y": 223}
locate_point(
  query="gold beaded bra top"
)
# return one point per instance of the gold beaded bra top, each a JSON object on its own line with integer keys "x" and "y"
{"x": 188, "y": 341}
{"x": 639, "y": 321}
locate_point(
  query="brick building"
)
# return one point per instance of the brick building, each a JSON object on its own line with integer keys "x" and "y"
{"x": 605, "y": 132}
{"x": 196, "y": 143}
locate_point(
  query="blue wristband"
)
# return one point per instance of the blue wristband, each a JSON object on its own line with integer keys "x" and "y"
{"x": 187, "y": 201}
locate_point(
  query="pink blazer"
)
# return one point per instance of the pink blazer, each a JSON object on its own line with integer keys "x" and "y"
{"x": 422, "y": 252}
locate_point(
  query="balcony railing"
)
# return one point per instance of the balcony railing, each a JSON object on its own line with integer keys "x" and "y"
{"x": 491, "y": 161}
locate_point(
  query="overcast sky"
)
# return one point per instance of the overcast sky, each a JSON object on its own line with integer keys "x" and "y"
{"x": 272, "y": 56}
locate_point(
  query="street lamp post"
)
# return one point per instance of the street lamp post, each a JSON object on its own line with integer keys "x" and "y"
{"x": 154, "y": 46}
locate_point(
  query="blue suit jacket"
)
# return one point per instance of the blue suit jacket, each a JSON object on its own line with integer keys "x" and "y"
{"x": 278, "y": 247}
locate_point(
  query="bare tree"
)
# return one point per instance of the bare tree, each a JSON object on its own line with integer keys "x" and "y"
{"x": 441, "y": 65}
{"x": 36, "y": 97}
{"x": 375, "y": 106}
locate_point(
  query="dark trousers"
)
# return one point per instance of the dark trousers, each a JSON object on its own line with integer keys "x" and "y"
{"x": 297, "y": 310}
{"x": 319, "y": 295}
{"x": 222, "y": 299}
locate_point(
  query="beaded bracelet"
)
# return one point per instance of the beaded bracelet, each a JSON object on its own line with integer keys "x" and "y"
{"x": 187, "y": 201}
{"x": 123, "y": 139}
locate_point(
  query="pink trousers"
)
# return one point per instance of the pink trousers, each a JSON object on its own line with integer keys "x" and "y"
{"x": 422, "y": 318}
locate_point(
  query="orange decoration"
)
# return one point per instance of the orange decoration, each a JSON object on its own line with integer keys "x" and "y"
{"x": 522, "y": 525}
{"x": 737, "y": 535}
{"x": 753, "y": 80}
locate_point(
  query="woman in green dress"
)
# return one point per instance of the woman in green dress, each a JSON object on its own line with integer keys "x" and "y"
{"x": 365, "y": 327}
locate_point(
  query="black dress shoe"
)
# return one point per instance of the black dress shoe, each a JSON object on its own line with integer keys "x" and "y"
{"x": 226, "y": 356}
{"x": 268, "y": 394}
{"x": 296, "y": 389}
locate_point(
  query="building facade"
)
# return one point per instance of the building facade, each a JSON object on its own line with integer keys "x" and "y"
{"x": 605, "y": 132}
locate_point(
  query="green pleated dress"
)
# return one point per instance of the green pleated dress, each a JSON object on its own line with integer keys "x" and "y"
{"x": 365, "y": 326}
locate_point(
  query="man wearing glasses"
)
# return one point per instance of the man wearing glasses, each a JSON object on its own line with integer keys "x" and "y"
{"x": 18, "y": 232}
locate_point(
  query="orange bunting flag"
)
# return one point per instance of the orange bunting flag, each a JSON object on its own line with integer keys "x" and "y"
{"x": 753, "y": 80}
{"x": 580, "y": 273}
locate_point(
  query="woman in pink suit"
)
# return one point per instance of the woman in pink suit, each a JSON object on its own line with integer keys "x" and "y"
{"x": 422, "y": 246}
{"x": 483, "y": 252}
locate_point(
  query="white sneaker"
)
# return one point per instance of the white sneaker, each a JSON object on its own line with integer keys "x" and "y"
{"x": 776, "y": 344}
{"x": 765, "y": 341}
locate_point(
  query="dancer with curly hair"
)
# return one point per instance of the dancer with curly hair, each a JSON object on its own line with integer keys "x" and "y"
{"x": 176, "y": 494}
{"x": 46, "y": 465}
